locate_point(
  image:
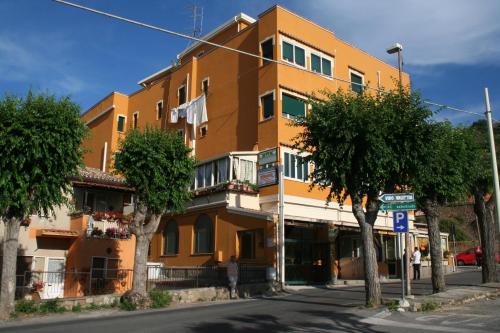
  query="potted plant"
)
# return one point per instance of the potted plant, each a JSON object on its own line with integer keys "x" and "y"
{"x": 96, "y": 232}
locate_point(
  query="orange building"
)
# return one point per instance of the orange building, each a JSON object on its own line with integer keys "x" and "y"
{"x": 228, "y": 107}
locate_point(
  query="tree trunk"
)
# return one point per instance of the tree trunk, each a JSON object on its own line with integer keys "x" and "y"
{"x": 432, "y": 216}
{"x": 8, "y": 287}
{"x": 486, "y": 217}
{"x": 143, "y": 227}
{"x": 372, "y": 281}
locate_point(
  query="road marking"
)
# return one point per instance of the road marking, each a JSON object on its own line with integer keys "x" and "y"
{"x": 390, "y": 323}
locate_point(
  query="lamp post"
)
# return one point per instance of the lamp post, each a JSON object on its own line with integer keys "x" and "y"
{"x": 398, "y": 48}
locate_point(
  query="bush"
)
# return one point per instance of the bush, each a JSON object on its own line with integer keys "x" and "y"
{"x": 76, "y": 308}
{"x": 24, "y": 306}
{"x": 51, "y": 306}
{"x": 159, "y": 298}
{"x": 128, "y": 306}
{"x": 429, "y": 306}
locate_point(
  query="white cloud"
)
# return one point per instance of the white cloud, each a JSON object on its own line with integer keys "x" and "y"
{"x": 36, "y": 60}
{"x": 432, "y": 32}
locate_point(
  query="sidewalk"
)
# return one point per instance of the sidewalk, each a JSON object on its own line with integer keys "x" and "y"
{"x": 461, "y": 287}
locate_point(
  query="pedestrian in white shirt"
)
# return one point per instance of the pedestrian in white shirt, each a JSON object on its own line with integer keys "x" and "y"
{"x": 416, "y": 264}
{"x": 232, "y": 274}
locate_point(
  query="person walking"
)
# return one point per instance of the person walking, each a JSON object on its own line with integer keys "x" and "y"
{"x": 232, "y": 275}
{"x": 416, "y": 264}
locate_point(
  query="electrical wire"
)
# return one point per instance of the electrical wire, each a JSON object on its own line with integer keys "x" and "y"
{"x": 279, "y": 62}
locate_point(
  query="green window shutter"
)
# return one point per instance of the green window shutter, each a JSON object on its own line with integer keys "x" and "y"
{"x": 293, "y": 106}
{"x": 315, "y": 63}
{"x": 292, "y": 166}
{"x": 287, "y": 165}
{"x": 305, "y": 165}
{"x": 327, "y": 67}
{"x": 121, "y": 124}
{"x": 357, "y": 88}
{"x": 288, "y": 51}
{"x": 300, "y": 56}
{"x": 267, "y": 106}
{"x": 300, "y": 168}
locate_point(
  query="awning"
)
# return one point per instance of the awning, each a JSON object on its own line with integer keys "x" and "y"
{"x": 57, "y": 233}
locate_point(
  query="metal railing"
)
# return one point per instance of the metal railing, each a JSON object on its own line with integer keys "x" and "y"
{"x": 61, "y": 284}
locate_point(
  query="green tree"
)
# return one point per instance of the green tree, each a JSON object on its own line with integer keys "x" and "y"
{"x": 481, "y": 186}
{"x": 441, "y": 178}
{"x": 157, "y": 164}
{"x": 362, "y": 145}
{"x": 40, "y": 148}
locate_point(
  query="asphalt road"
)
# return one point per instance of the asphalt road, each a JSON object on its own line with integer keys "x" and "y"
{"x": 307, "y": 310}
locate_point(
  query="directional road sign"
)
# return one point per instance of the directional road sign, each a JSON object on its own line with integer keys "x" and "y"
{"x": 399, "y": 206}
{"x": 400, "y": 219}
{"x": 397, "y": 197}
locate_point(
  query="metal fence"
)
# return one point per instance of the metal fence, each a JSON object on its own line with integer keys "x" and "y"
{"x": 116, "y": 281}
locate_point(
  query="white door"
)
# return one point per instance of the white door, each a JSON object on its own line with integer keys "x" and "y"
{"x": 54, "y": 285}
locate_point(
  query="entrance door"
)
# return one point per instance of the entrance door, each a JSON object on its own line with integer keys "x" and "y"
{"x": 54, "y": 286}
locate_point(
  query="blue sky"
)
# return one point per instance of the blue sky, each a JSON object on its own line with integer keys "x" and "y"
{"x": 451, "y": 47}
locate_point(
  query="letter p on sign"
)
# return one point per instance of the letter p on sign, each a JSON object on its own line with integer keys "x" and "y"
{"x": 400, "y": 221}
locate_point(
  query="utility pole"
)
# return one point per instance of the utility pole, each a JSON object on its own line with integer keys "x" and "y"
{"x": 493, "y": 154}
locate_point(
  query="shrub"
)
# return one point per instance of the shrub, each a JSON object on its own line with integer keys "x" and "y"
{"x": 25, "y": 306}
{"x": 76, "y": 308}
{"x": 51, "y": 306}
{"x": 159, "y": 298}
{"x": 128, "y": 306}
{"x": 429, "y": 306}
{"x": 393, "y": 305}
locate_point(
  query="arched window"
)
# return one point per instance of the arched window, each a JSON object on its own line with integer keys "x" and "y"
{"x": 171, "y": 238}
{"x": 203, "y": 235}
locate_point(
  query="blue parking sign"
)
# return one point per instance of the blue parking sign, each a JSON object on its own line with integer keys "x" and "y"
{"x": 400, "y": 219}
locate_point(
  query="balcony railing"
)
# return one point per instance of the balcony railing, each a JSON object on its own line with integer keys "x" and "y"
{"x": 108, "y": 225}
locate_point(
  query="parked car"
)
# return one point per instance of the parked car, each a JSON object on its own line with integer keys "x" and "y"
{"x": 468, "y": 257}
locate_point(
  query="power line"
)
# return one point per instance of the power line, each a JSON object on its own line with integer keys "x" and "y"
{"x": 279, "y": 62}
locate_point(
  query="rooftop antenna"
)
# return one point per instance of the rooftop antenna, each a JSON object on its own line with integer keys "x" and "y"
{"x": 197, "y": 15}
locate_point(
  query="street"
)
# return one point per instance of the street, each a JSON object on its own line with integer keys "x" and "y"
{"x": 313, "y": 309}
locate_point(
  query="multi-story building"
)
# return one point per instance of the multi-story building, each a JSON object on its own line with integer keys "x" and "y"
{"x": 250, "y": 104}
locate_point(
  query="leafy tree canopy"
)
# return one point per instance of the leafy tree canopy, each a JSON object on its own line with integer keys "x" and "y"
{"x": 364, "y": 144}
{"x": 157, "y": 164}
{"x": 40, "y": 148}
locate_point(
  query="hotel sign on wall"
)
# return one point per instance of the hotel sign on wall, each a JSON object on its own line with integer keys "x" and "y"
{"x": 267, "y": 176}
{"x": 268, "y": 156}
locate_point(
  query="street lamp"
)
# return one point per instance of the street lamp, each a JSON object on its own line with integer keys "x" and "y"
{"x": 397, "y": 48}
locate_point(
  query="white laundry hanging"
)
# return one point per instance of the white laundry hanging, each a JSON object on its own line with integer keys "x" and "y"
{"x": 197, "y": 108}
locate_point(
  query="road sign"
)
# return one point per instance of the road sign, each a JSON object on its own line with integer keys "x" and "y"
{"x": 397, "y": 197}
{"x": 267, "y": 156}
{"x": 399, "y": 206}
{"x": 400, "y": 218}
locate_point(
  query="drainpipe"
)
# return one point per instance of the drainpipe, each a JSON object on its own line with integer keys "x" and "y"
{"x": 105, "y": 153}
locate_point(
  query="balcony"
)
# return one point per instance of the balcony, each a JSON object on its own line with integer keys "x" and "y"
{"x": 108, "y": 225}
{"x": 236, "y": 171}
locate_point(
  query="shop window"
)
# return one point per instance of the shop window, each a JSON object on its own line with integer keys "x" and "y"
{"x": 203, "y": 235}
{"x": 171, "y": 239}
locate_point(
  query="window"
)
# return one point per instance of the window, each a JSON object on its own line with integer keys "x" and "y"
{"x": 181, "y": 93}
{"x": 203, "y": 131}
{"x": 171, "y": 239}
{"x": 203, "y": 234}
{"x": 295, "y": 167}
{"x": 357, "y": 82}
{"x": 321, "y": 65}
{"x": 212, "y": 173}
{"x": 292, "y": 107}
{"x": 121, "y": 123}
{"x": 267, "y": 50}
{"x": 246, "y": 170}
{"x": 159, "y": 109}
{"x": 267, "y": 104}
{"x": 294, "y": 54}
{"x": 104, "y": 268}
{"x": 247, "y": 244}
{"x": 204, "y": 86}
{"x": 135, "y": 120}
